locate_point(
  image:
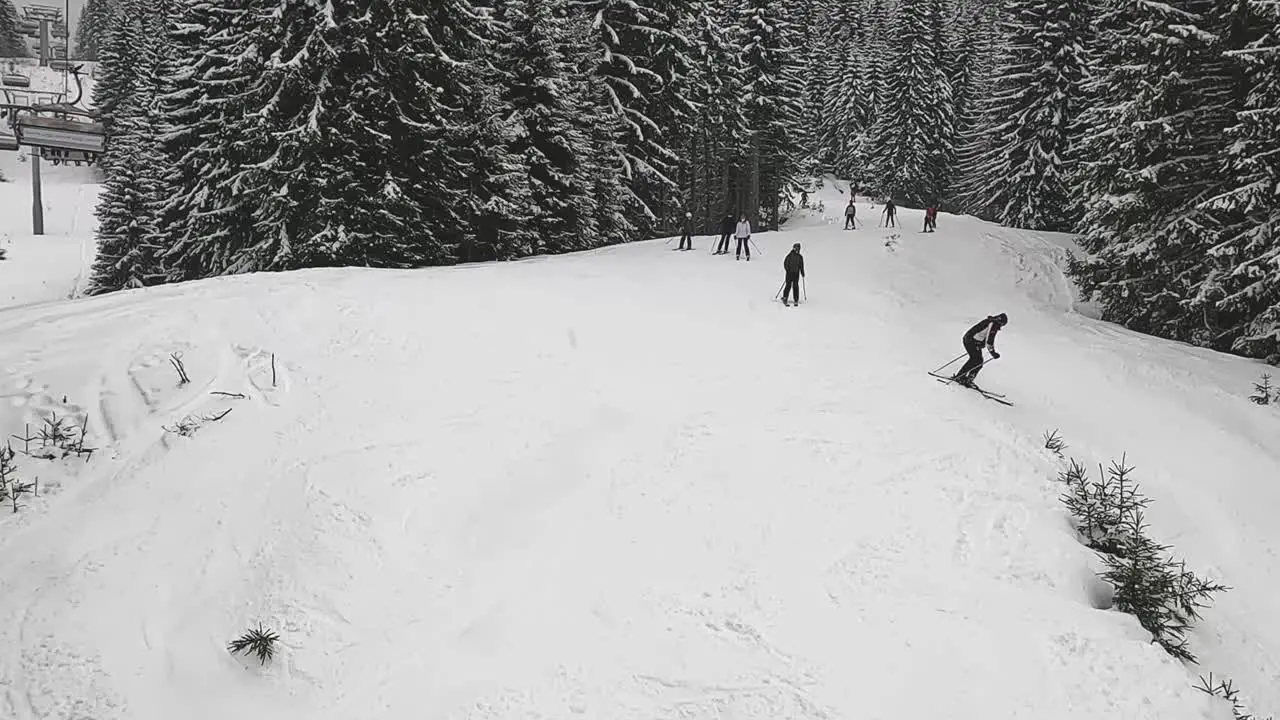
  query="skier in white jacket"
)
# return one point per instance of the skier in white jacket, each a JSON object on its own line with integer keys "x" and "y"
{"x": 743, "y": 233}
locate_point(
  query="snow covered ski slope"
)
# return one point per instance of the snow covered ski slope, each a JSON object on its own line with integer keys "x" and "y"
{"x": 625, "y": 485}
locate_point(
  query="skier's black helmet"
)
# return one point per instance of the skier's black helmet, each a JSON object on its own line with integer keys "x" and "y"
{"x": 1002, "y": 319}
{"x": 796, "y": 246}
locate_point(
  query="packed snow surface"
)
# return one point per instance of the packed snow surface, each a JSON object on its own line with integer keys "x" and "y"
{"x": 624, "y": 484}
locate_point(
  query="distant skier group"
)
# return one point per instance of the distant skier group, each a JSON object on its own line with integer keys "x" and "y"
{"x": 981, "y": 335}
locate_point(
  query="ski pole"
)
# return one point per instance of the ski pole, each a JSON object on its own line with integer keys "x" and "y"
{"x": 780, "y": 287}
{"x": 804, "y": 290}
{"x": 972, "y": 372}
{"x": 757, "y": 247}
{"x": 953, "y": 362}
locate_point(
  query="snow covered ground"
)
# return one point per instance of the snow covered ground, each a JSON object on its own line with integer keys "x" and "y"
{"x": 623, "y": 484}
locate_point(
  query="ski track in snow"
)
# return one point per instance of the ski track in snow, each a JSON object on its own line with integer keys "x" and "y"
{"x": 622, "y": 484}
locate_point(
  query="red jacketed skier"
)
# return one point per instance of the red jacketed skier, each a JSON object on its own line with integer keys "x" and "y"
{"x": 984, "y": 333}
{"x": 850, "y": 216}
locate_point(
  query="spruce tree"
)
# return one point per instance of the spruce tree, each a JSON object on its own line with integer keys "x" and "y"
{"x": 1151, "y": 157}
{"x": 123, "y": 44}
{"x": 211, "y": 135}
{"x": 1020, "y": 174}
{"x": 91, "y": 28}
{"x": 712, "y": 141}
{"x": 771, "y": 99}
{"x": 12, "y": 44}
{"x": 1244, "y": 288}
{"x": 545, "y": 104}
{"x": 130, "y": 246}
{"x": 910, "y": 145}
{"x": 846, "y": 102}
{"x": 367, "y": 108}
{"x": 632, "y": 45}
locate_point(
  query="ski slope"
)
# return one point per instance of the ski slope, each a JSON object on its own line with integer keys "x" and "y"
{"x": 622, "y": 484}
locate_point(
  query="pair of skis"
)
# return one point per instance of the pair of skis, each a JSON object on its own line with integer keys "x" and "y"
{"x": 996, "y": 397}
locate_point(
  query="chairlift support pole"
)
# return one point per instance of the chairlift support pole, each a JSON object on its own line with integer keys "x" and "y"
{"x": 37, "y": 199}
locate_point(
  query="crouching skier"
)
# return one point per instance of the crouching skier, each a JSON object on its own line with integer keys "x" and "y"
{"x": 793, "y": 266}
{"x": 984, "y": 333}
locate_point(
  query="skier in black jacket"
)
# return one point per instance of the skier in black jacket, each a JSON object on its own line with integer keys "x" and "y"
{"x": 687, "y": 237}
{"x": 793, "y": 266}
{"x": 978, "y": 335}
{"x": 726, "y": 231}
{"x": 890, "y": 216}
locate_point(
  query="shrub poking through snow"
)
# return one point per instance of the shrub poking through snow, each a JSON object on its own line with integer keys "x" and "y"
{"x": 8, "y": 471}
{"x": 12, "y": 489}
{"x": 1224, "y": 690}
{"x": 187, "y": 426}
{"x": 256, "y": 642}
{"x": 57, "y": 435}
{"x": 1157, "y": 589}
{"x": 1263, "y": 393}
{"x": 1103, "y": 509}
{"x": 175, "y": 359}
{"x": 1054, "y": 443}
{"x": 1148, "y": 582}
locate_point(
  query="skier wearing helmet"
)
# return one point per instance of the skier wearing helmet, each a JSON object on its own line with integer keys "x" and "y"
{"x": 793, "y": 266}
{"x": 984, "y": 333}
{"x": 687, "y": 237}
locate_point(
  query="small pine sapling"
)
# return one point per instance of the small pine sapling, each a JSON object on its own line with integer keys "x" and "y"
{"x": 1054, "y": 443}
{"x": 1103, "y": 509}
{"x": 58, "y": 433}
{"x": 1158, "y": 590}
{"x": 1223, "y": 689}
{"x": 1263, "y": 393}
{"x": 26, "y": 439}
{"x": 8, "y": 471}
{"x": 256, "y": 642}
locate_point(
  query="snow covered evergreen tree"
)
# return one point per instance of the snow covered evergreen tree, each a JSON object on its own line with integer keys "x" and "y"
{"x": 638, "y": 50}
{"x": 711, "y": 143}
{"x": 91, "y": 28}
{"x": 546, "y": 102}
{"x": 12, "y": 43}
{"x": 210, "y": 136}
{"x": 123, "y": 46}
{"x": 130, "y": 245}
{"x": 1152, "y": 156}
{"x": 771, "y": 100}
{"x": 366, "y": 107}
{"x": 1242, "y": 293}
{"x": 911, "y": 149}
{"x": 848, "y": 91}
{"x": 1020, "y": 175}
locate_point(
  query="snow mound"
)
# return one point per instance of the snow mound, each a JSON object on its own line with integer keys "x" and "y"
{"x": 620, "y": 484}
